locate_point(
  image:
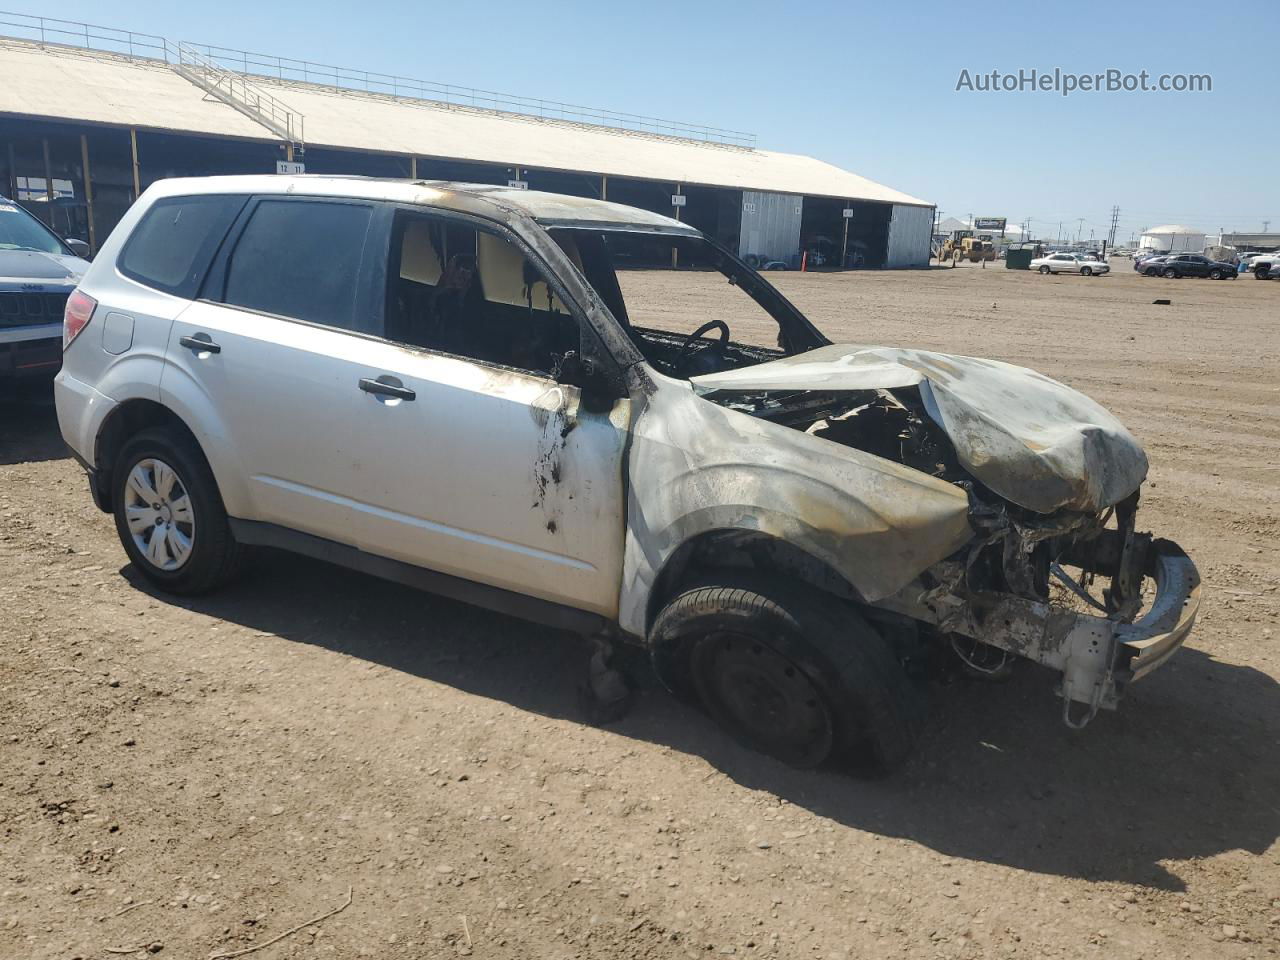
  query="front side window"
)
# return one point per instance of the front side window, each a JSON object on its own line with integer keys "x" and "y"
{"x": 172, "y": 246}
{"x": 467, "y": 291}
{"x": 300, "y": 259}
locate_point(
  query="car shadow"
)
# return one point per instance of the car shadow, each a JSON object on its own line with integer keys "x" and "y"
{"x": 1185, "y": 769}
{"x": 29, "y": 423}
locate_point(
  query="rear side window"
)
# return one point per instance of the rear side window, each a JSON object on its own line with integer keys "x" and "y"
{"x": 172, "y": 247}
{"x": 300, "y": 259}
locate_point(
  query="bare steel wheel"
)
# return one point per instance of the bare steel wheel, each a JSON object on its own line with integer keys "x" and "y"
{"x": 169, "y": 514}
{"x": 751, "y": 688}
{"x": 788, "y": 670}
{"x": 158, "y": 511}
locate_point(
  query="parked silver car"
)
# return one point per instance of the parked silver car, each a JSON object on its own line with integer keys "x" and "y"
{"x": 1070, "y": 263}
{"x": 497, "y": 394}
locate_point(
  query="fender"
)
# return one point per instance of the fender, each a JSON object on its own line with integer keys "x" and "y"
{"x": 696, "y": 467}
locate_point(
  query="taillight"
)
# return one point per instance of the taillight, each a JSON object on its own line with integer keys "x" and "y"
{"x": 76, "y": 317}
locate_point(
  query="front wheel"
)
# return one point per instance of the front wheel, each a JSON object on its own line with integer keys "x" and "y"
{"x": 791, "y": 671}
{"x": 1086, "y": 271}
{"x": 1215, "y": 274}
{"x": 1044, "y": 269}
{"x": 1150, "y": 272}
{"x": 169, "y": 515}
{"x": 1171, "y": 274}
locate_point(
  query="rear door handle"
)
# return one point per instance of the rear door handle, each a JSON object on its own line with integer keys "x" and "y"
{"x": 387, "y": 386}
{"x": 200, "y": 343}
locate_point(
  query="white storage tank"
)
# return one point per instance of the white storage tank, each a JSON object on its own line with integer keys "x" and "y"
{"x": 1172, "y": 238}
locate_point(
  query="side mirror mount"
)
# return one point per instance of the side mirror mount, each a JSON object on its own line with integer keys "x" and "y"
{"x": 78, "y": 247}
{"x": 597, "y": 389}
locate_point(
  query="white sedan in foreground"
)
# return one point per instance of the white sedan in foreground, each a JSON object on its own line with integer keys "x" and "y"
{"x": 1069, "y": 263}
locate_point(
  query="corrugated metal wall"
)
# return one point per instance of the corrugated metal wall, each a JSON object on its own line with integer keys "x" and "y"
{"x": 910, "y": 229}
{"x": 770, "y": 225}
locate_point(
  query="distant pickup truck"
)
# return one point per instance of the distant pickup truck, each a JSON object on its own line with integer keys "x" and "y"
{"x": 38, "y": 271}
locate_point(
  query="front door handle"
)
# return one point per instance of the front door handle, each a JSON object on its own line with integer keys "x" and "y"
{"x": 387, "y": 386}
{"x": 200, "y": 343}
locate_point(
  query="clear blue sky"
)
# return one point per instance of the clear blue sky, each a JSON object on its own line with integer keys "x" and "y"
{"x": 870, "y": 88}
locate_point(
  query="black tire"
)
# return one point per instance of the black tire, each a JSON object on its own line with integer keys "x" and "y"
{"x": 1170, "y": 273}
{"x": 791, "y": 671}
{"x": 214, "y": 554}
{"x": 1216, "y": 274}
{"x": 1086, "y": 271}
{"x": 1151, "y": 272}
{"x": 1044, "y": 270}
{"x": 1260, "y": 273}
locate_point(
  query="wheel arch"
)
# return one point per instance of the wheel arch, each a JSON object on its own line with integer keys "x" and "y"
{"x": 127, "y": 420}
{"x": 730, "y": 548}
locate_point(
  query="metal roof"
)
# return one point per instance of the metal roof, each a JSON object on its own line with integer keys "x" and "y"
{"x": 96, "y": 87}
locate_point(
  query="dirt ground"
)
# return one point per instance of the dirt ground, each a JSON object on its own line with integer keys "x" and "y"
{"x": 199, "y": 777}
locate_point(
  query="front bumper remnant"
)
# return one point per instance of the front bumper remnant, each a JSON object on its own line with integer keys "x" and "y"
{"x": 1098, "y": 656}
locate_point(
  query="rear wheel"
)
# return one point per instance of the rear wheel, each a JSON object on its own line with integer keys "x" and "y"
{"x": 1171, "y": 273}
{"x": 1260, "y": 273}
{"x": 169, "y": 516}
{"x": 792, "y": 672}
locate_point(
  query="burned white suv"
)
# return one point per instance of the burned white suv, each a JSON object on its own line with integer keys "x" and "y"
{"x": 511, "y": 397}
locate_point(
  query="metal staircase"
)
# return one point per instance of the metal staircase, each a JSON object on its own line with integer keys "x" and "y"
{"x": 238, "y": 93}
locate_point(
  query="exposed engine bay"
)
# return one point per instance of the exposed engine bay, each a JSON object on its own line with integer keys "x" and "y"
{"x": 973, "y": 600}
{"x": 1014, "y": 550}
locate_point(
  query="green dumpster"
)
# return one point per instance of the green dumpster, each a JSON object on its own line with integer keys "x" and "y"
{"x": 1019, "y": 258}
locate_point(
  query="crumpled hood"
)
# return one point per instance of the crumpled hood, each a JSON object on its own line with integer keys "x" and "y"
{"x": 1032, "y": 440}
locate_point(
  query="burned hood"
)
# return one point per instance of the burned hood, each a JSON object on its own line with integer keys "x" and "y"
{"x": 1032, "y": 440}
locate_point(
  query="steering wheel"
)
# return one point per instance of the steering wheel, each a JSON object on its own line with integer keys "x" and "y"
{"x": 687, "y": 358}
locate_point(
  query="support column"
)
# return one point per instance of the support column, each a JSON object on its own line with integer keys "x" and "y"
{"x": 88, "y": 193}
{"x": 133, "y": 149}
{"x": 675, "y": 254}
{"x": 413, "y": 168}
{"x": 604, "y": 187}
{"x": 48, "y": 178}
{"x": 844, "y": 251}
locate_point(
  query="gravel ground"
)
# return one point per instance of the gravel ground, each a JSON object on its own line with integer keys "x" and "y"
{"x": 195, "y": 778}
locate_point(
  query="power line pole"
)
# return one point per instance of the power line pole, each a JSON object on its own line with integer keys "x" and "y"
{"x": 1079, "y": 228}
{"x": 1115, "y": 219}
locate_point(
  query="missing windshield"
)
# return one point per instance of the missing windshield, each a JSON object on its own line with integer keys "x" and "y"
{"x": 688, "y": 305}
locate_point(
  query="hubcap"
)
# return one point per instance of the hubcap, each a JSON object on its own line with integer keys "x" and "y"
{"x": 766, "y": 698}
{"x": 159, "y": 514}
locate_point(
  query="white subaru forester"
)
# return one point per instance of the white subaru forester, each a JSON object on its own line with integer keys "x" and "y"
{"x": 511, "y": 397}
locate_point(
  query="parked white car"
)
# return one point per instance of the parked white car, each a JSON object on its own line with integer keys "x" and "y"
{"x": 1069, "y": 263}
{"x": 488, "y": 393}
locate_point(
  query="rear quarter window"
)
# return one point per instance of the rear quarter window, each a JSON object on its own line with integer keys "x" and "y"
{"x": 171, "y": 248}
